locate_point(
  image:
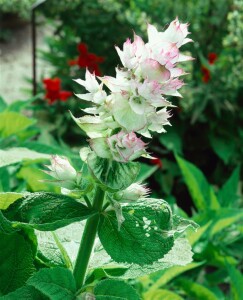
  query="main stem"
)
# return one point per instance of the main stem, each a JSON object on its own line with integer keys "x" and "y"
{"x": 88, "y": 239}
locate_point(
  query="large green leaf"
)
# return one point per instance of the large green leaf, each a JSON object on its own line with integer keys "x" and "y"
{"x": 144, "y": 236}
{"x": 228, "y": 193}
{"x": 46, "y": 211}
{"x": 15, "y": 155}
{"x": 13, "y": 123}
{"x": 112, "y": 174}
{"x": 56, "y": 283}
{"x": 201, "y": 192}
{"x": 16, "y": 262}
{"x": 25, "y": 293}
{"x": 111, "y": 289}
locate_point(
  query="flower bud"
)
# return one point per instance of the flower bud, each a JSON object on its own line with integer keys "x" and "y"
{"x": 62, "y": 170}
{"x": 133, "y": 193}
{"x": 126, "y": 146}
{"x": 122, "y": 147}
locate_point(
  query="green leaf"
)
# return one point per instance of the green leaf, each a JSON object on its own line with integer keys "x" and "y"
{"x": 236, "y": 280}
{"x": 46, "y": 211}
{"x": 6, "y": 225}
{"x": 144, "y": 236}
{"x": 195, "y": 290}
{"x": 224, "y": 218}
{"x": 162, "y": 294}
{"x": 25, "y": 293}
{"x": 16, "y": 155}
{"x": 8, "y": 198}
{"x": 112, "y": 174}
{"x": 111, "y": 289}
{"x": 162, "y": 277}
{"x": 146, "y": 171}
{"x": 4, "y": 180}
{"x": 201, "y": 192}
{"x": 16, "y": 262}
{"x": 34, "y": 179}
{"x": 171, "y": 140}
{"x": 3, "y": 104}
{"x": 222, "y": 149}
{"x": 179, "y": 255}
{"x": 13, "y": 123}
{"x": 228, "y": 193}
{"x": 56, "y": 283}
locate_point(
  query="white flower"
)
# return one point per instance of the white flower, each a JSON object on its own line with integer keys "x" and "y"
{"x": 96, "y": 93}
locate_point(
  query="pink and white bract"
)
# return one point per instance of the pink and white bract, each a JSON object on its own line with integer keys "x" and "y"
{"x": 137, "y": 99}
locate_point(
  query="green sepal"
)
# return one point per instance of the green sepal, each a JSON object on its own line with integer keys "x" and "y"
{"x": 112, "y": 175}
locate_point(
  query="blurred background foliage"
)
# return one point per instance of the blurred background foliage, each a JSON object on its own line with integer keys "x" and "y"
{"x": 197, "y": 169}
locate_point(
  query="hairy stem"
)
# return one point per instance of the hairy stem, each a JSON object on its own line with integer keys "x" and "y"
{"x": 88, "y": 239}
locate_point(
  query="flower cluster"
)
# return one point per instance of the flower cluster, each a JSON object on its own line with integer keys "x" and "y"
{"x": 212, "y": 57}
{"x": 54, "y": 92}
{"x": 136, "y": 102}
{"x": 87, "y": 60}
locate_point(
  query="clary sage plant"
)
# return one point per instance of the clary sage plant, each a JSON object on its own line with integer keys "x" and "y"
{"x": 128, "y": 233}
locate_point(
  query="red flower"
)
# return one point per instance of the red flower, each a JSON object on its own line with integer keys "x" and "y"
{"x": 206, "y": 74}
{"x": 87, "y": 60}
{"x": 212, "y": 57}
{"x": 53, "y": 90}
{"x": 156, "y": 162}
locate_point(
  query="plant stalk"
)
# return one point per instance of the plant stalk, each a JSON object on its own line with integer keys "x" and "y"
{"x": 88, "y": 239}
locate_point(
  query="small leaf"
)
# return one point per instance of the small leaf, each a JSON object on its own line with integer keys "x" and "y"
{"x": 111, "y": 289}
{"x": 55, "y": 283}
{"x": 201, "y": 192}
{"x": 16, "y": 262}
{"x": 112, "y": 174}
{"x": 228, "y": 193}
{"x": 144, "y": 236}
{"x": 13, "y": 123}
{"x": 15, "y": 155}
{"x": 46, "y": 211}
